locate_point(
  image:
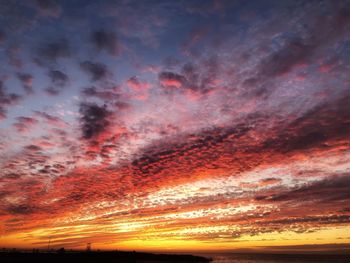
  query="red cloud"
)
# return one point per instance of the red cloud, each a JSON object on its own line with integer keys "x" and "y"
{"x": 24, "y": 124}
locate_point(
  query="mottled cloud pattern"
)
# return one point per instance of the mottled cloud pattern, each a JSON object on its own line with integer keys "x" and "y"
{"x": 202, "y": 124}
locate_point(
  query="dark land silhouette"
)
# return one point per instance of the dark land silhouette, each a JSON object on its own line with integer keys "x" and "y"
{"x": 62, "y": 256}
{"x": 279, "y": 258}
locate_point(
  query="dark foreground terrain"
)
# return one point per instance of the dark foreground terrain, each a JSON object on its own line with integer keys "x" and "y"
{"x": 99, "y": 257}
{"x": 278, "y": 258}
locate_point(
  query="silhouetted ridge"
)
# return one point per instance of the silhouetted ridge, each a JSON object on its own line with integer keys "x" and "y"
{"x": 86, "y": 257}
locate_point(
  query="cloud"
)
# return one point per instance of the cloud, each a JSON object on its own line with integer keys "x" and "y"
{"x": 105, "y": 40}
{"x": 51, "y": 120}
{"x": 27, "y": 82}
{"x": 270, "y": 181}
{"x": 33, "y": 148}
{"x": 59, "y": 80}
{"x": 137, "y": 21}
{"x": 2, "y": 36}
{"x": 317, "y": 128}
{"x": 103, "y": 94}
{"x": 171, "y": 80}
{"x": 93, "y": 120}
{"x": 200, "y": 79}
{"x": 203, "y": 78}
{"x": 196, "y": 35}
{"x": 48, "y": 8}
{"x": 96, "y": 71}
{"x": 136, "y": 84}
{"x": 54, "y": 50}
{"x": 139, "y": 88}
{"x": 295, "y": 51}
{"x": 299, "y": 49}
{"x": 338, "y": 219}
{"x": 330, "y": 190}
{"x": 242, "y": 142}
{"x": 15, "y": 16}
{"x": 24, "y": 124}
{"x": 52, "y": 91}
{"x": 20, "y": 209}
{"x": 6, "y": 100}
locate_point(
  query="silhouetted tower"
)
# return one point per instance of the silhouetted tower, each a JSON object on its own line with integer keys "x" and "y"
{"x": 48, "y": 244}
{"x": 88, "y": 247}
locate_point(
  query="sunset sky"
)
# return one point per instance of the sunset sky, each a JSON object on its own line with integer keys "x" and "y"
{"x": 174, "y": 125}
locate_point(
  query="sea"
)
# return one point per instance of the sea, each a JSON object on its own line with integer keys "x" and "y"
{"x": 276, "y": 258}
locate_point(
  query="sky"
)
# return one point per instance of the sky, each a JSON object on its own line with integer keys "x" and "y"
{"x": 174, "y": 125}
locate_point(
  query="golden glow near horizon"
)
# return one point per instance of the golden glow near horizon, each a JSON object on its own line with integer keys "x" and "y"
{"x": 173, "y": 240}
{"x": 207, "y": 214}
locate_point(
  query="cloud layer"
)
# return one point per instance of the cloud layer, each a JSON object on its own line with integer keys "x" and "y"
{"x": 153, "y": 127}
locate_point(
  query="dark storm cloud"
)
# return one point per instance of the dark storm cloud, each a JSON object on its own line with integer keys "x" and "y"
{"x": 6, "y": 100}
{"x": 51, "y": 51}
{"x": 96, "y": 71}
{"x": 105, "y": 40}
{"x": 27, "y": 82}
{"x": 93, "y": 120}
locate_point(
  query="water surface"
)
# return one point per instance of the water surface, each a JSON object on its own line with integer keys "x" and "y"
{"x": 276, "y": 258}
